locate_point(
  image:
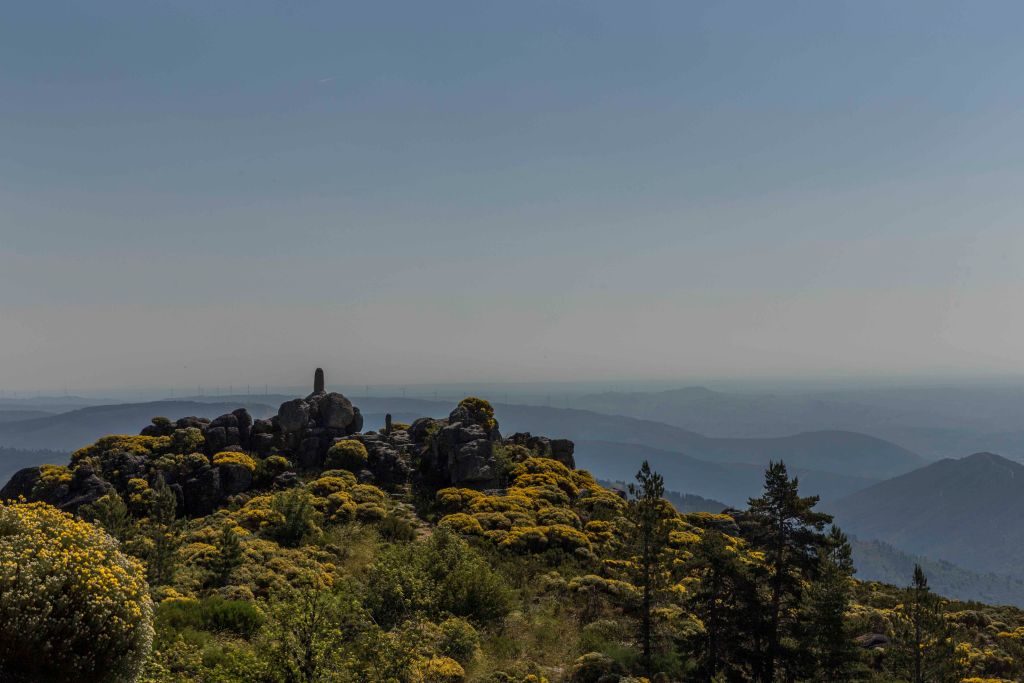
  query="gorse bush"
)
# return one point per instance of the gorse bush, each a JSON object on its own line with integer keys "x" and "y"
{"x": 347, "y": 455}
{"x": 72, "y": 605}
{"x": 235, "y": 458}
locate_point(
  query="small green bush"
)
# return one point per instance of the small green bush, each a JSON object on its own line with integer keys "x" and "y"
{"x": 213, "y": 614}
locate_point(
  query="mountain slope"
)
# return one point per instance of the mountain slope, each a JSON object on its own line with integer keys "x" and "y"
{"x": 731, "y": 483}
{"x": 879, "y": 561}
{"x": 969, "y": 512}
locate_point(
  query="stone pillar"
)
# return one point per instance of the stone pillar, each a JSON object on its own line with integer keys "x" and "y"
{"x": 318, "y": 381}
{"x": 387, "y": 424}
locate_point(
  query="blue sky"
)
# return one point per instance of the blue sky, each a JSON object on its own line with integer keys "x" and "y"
{"x": 482, "y": 191}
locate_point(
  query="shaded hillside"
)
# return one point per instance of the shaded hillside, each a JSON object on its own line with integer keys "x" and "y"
{"x": 879, "y": 561}
{"x": 969, "y": 512}
{"x": 732, "y": 483}
{"x": 14, "y": 415}
{"x": 68, "y": 431}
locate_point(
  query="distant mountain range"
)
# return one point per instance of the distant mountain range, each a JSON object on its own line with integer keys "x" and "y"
{"x": 935, "y": 422}
{"x": 14, "y": 459}
{"x": 879, "y": 561}
{"x": 831, "y": 464}
{"x": 969, "y": 512}
{"x": 76, "y": 428}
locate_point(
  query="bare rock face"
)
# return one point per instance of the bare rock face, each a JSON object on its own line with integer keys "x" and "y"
{"x": 293, "y": 416}
{"x": 21, "y": 484}
{"x": 234, "y": 478}
{"x": 336, "y": 411}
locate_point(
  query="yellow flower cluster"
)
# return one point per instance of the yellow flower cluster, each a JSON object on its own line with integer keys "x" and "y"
{"x": 235, "y": 458}
{"x": 438, "y": 670}
{"x": 70, "y": 600}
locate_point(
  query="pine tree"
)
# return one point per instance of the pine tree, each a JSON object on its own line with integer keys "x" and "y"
{"x": 790, "y": 533}
{"x": 112, "y": 514}
{"x": 228, "y": 558}
{"x": 650, "y": 539}
{"x": 829, "y": 641}
{"x": 718, "y": 601}
{"x": 163, "y": 533}
{"x": 924, "y": 650}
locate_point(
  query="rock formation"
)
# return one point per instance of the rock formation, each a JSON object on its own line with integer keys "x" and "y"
{"x": 205, "y": 462}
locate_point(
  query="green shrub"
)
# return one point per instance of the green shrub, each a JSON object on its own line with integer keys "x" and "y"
{"x": 297, "y": 517}
{"x": 394, "y": 528}
{"x": 347, "y": 455}
{"x": 213, "y": 614}
{"x": 72, "y": 606}
{"x": 459, "y": 640}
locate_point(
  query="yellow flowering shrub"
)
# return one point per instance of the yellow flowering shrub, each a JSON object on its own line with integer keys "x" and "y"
{"x": 118, "y": 443}
{"x": 325, "y": 486}
{"x": 258, "y": 514}
{"x": 340, "y": 508}
{"x": 365, "y": 493}
{"x": 548, "y": 470}
{"x": 51, "y": 477}
{"x": 348, "y": 455}
{"x": 456, "y": 499}
{"x": 235, "y": 458}
{"x": 438, "y": 670}
{"x": 462, "y": 523}
{"x": 553, "y": 515}
{"x": 480, "y": 411}
{"x": 370, "y": 512}
{"x": 347, "y": 477}
{"x": 72, "y": 605}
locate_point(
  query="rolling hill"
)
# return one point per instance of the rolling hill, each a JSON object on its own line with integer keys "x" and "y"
{"x": 969, "y": 512}
{"x": 935, "y": 422}
{"x": 73, "y": 429}
{"x": 846, "y": 453}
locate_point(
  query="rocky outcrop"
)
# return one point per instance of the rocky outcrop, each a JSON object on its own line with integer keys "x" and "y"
{"x": 85, "y": 487}
{"x": 561, "y": 450}
{"x": 21, "y": 484}
{"x": 465, "y": 449}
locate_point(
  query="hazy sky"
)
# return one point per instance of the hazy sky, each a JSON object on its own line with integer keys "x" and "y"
{"x": 453, "y": 191}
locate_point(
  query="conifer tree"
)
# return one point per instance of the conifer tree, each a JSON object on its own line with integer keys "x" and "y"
{"x": 717, "y": 601}
{"x": 112, "y": 514}
{"x": 163, "y": 533}
{"x": 650, "y": 539}
{"x": 790, "y": 533}
{"x": 924, "y": 650}
{"x": 829, "y": 641}
{"x": 228, "y": 558}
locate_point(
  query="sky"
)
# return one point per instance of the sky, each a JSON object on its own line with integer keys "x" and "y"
{"x": 416, "y": 192}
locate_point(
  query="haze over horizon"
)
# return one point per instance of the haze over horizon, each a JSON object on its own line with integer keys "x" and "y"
{"x": 213, "y": 194}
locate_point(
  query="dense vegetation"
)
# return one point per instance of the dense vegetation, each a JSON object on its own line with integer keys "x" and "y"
{"x": 322, "y": 576}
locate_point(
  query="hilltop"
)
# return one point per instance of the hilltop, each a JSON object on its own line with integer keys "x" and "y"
{"x": 969, "y": 512}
